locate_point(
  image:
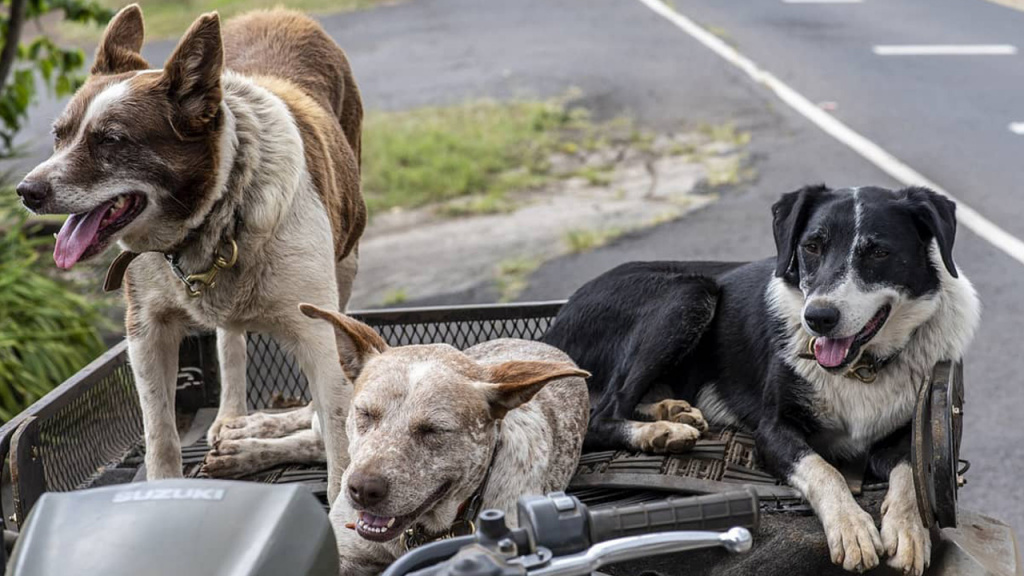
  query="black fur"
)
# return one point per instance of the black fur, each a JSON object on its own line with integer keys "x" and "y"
{"x": 684, "y": 325}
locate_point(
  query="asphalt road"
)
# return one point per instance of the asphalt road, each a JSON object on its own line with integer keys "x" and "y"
{"x": 945, "y": 116}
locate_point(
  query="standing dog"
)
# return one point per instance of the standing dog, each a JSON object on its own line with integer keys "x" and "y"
{"x": 231, "y": 177}
{"x": 820, "y": 352}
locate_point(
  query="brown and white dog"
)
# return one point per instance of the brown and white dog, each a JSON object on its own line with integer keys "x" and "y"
{"x": 429, "y": 427}
{"x": 232, "y": 174}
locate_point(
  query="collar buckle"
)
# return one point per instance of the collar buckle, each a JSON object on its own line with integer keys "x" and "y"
{"x": 865, "y": 370}
{"x": 416, "y": 536}
{"x": 196, "y": 283}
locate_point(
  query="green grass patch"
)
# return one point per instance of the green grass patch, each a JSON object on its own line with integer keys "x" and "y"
{"x": 726, "y": 132}
{"x": 511, "y": 276}
{"x": 431, "y": 155}
{"x": 394, "y": 297}
{"x": 584, "y": 240}
{"x": 170, "y": 18}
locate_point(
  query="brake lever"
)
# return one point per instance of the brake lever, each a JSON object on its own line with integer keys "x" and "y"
{"x": 736, "y": 540}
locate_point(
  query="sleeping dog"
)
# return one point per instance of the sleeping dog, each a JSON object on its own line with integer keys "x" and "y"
{"x": 819, "y": 352}
{"x": 435, "y": 436}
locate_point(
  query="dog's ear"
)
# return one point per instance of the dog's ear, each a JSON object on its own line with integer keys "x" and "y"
{"x": 357, "y": 342}
{"x": 192, "y": 76}
{"x": 120, "y": 49}
{"x": 936, "y": 218}
{"x": 512, "y": 384}
{"x": 789, "y": 218}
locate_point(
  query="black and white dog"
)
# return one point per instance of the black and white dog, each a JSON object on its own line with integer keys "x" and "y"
{"x": 819, "y": 352}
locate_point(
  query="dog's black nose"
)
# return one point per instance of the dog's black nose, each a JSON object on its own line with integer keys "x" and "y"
{"x": 34, "y": 193}
{"x": 822, "y": 319}
{"x": 367, "y": 489}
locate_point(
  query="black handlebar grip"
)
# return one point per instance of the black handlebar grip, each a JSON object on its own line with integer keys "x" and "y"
{"x": 709, "y": 512}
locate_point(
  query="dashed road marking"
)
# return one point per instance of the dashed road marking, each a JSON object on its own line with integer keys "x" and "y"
{"x": 894, "y": 167}
{"x": 946, "y": 50}
{"x": 1017, "y": 128}
{"x": 822, "y": 1}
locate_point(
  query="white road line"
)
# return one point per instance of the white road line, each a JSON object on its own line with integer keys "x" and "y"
{"x": 872, "y": 152}
{"x": 822, "y": 1}
{"x": 1017, "y": 128}
{"x": 946, "y": 50}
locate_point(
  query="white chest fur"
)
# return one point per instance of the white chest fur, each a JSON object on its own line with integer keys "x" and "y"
{"x": 857, "y": 414}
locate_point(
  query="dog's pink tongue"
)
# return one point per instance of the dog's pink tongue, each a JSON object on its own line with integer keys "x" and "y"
{"x": 76, "y": 235}
{"x": 831, "y": 352}
{"x": 375, "y": 521}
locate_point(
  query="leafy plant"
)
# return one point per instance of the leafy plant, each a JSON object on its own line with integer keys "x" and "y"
{"x": 39, "y": 60}
{"x": 47, "y": 332}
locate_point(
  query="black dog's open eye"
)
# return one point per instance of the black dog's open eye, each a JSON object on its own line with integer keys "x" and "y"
{"x": 812, "y": 247}
{"x": 879, "y": 254}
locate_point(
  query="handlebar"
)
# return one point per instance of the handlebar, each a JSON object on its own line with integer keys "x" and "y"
{"x": 559, "y": 535}
{"x": 736, "y": 540}
{"x": 710, "y": 512}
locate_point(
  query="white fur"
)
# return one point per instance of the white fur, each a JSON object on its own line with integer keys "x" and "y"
{"x": 714, "y": 407}
{"x": 906, "y": 540}
{"x": 853, "y": 539}
{"x": 925, "y": 331}
{"x": 108, "y": 98}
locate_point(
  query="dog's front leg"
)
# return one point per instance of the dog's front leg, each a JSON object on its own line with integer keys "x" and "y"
{"x": 315, "y": 349}
{"x": 853, "y": 540}
{"x": 232, "y": 355}
{"x": 153, "y": 351}
{"x": 906, "y": 539}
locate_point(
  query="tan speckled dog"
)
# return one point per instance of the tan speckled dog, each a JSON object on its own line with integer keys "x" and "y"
{"x": 426, "y": 424}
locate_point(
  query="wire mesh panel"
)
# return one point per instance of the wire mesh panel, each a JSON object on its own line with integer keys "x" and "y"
{"x": 94, "y": 429}
{"x": 272, "y": 373}
{"x": 273, "y": 376}
{"x": 91, "y": 426}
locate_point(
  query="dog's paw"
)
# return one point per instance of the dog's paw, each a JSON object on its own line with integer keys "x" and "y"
{"x": 259, "y": 425}
{"x": 679, "y": 411}
{"x": 907, "y": 542}
{"x": 853, "y": 540}
{"x": 664, "y": 437}
{"x": 232, "y": 458}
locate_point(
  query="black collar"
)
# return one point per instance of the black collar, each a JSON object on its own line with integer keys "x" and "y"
{"x": 464, "y": 524}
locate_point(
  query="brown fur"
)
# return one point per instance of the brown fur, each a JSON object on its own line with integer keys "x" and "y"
{"x": 292, "y": 56}
{"x": 119, "y": 49}
{"x": 330, "y": 171}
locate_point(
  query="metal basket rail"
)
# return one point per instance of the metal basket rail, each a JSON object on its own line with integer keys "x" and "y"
{"x": 93, "y": 421}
